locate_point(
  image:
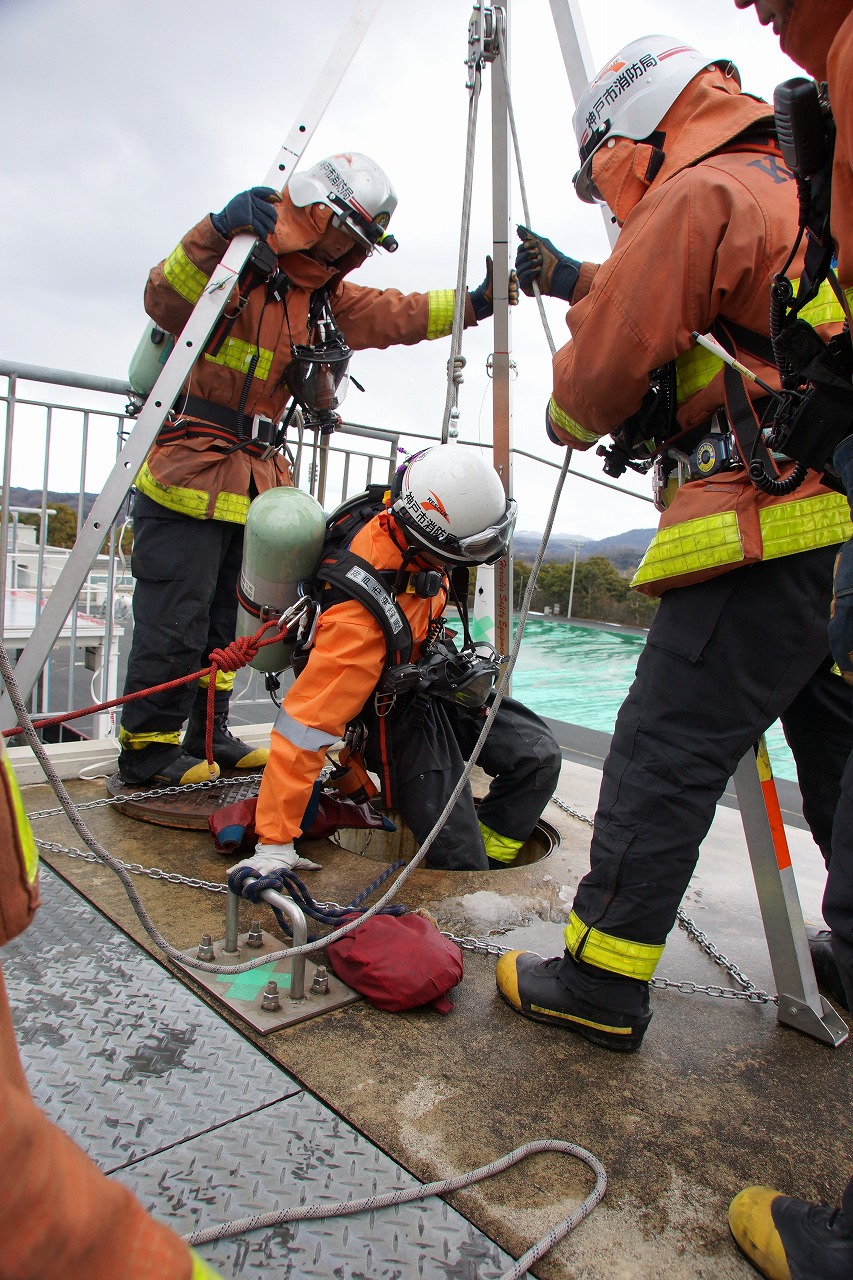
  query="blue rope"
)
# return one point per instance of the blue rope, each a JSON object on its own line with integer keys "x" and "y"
{"x": 246, "y": 882}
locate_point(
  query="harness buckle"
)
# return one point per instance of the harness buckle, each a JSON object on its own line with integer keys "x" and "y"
{"x": 264, "y": 431}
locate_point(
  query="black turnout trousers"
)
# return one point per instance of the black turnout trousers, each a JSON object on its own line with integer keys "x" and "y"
{"x": 420, "y": 760}
{"x": 184, "y": 606}
{"x": 724, "y": 659}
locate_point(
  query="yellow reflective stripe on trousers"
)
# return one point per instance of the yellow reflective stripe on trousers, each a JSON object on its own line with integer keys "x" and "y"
{"x": 231, "y": 507}
{"x": 702, "y": 543}
{"x": 562, "y": 420}
{"x": 224, "y": 681}
{"x": 499, "y": 848}
{"x": 22, "y": 823}
{"x": 440, "y": 321}
{"x": 803, "y": 525}
{"x": 605, "y": 951}
{"x": 184, "y": 276}
{"x": 236, "y": 354}
{"x": 136, "y": 741}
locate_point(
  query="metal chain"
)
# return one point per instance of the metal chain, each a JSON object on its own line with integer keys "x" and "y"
{"x": 479, "y": 946}
{"x": 135, "y": 868}
{"x": 750, "y": 992}
{"x": 146, "y": 795}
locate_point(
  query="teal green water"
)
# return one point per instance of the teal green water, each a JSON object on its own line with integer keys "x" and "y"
{"x": 581, "y": 675}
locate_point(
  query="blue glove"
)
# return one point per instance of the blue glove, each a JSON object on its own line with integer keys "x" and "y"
{"x": 538, "y": 260}
{"x": 481, "y": 297}
{"x": 251, "y": 211}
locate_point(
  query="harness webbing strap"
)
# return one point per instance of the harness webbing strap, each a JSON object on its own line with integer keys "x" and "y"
{"x": 357, "y": 579}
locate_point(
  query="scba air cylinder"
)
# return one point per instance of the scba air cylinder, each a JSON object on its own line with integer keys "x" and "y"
{"x": 285, "y": 531}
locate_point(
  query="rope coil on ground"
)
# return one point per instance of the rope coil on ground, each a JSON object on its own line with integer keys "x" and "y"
{"x": 406, "y": 1195}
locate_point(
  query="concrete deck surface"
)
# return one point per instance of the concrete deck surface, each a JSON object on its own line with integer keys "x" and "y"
{"x": 719, "y": 1096}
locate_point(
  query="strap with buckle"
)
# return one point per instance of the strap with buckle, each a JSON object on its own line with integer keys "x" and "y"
{"x": 196, "y": 418}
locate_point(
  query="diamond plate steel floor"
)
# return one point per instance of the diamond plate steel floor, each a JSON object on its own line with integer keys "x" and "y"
{"x": 163, "y": 1094}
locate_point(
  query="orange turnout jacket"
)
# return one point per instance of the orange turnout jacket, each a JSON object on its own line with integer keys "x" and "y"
{"x": 59, "y": 1215}
{"x": 198, "y": 476}
{"x": 343, "y": 669}
{"x": 702, "y": 238}
{"x": 818, "y": 34}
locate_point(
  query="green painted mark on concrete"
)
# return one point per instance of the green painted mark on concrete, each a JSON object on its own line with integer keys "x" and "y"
{"x": 248, "y": 985}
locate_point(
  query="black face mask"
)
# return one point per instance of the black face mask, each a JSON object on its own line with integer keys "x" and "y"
{"x": 318, "y": 375}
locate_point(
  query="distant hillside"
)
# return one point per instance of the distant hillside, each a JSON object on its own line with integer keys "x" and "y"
{"x": 625, "y": 550}
{"x": 33, "y": 497}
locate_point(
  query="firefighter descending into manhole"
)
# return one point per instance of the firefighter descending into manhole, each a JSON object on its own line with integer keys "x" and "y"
{"x": 380, "y": 664}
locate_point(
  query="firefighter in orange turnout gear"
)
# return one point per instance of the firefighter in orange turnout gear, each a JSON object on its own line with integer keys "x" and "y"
{"x": 446, "y": 508}
{"x": 221, "y": 445}
{"x": 689, "y": 166}
{"x": 59, "y": 1214}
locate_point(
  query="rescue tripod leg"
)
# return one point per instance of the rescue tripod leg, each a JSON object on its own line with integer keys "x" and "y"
{"x": 800, "y": 1004}
{"x": 191, "y": 342}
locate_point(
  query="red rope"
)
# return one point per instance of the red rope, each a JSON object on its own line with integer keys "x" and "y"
{"x": 238, "y": 654}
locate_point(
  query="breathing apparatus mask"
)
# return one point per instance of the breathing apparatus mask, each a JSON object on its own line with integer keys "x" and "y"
{"x": 465, "y": 677}
{"x": 318, "y": 374}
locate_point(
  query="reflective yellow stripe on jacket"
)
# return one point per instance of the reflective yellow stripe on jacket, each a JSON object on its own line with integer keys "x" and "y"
{"x": 184, "y": 276}
{"x": 231, "y": 507}
{"x": 715, "y": 541}
{"x": 440, "y": 319}
{"x": 606, "y": 951}
{"x": 29, "y": 849}
{"x": 237, "y": 354}
{"x": 695, "y": 368}
{"x": 561, "y": 419}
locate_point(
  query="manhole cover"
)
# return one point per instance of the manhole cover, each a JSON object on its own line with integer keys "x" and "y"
{"x": 184, "y": 808}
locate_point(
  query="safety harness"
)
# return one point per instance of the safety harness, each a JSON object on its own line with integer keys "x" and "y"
{"x": 464, "y": 676}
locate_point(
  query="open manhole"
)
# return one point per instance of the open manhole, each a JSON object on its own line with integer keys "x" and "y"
{"x": 401, "y": 845}
{"x": 190, "y": 810}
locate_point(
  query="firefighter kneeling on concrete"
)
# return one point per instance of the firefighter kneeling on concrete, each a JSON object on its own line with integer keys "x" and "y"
{"x": 446, "y": 509}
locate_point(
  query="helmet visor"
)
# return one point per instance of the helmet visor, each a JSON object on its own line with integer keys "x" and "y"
{"x": 488, "y": 546}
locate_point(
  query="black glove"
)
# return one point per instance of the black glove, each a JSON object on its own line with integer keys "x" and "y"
{"x": 481, "y": 297}
{"x": 538, "y": 260}
{"x": 249, "y": 211}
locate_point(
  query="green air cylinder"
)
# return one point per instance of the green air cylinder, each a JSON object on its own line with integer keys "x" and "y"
{"x": 285, "y": 531}
{"x": 148, "y": 359}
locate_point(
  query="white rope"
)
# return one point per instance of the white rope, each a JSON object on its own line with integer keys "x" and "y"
{"x": 406, "y": 1195}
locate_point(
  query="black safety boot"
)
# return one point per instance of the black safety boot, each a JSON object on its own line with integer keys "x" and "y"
{"x": 788, "y": 1239}
{"x": 536, "y": 988}
{"x": 167, "y": 767}
{"x": 228, "y": 751}
{"x": 825, "y": 967}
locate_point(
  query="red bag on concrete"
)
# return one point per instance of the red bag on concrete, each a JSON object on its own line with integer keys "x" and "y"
{"x": 398, "y": 962}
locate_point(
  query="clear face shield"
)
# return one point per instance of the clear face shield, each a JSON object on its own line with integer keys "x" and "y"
{"x": 490, "y": 545}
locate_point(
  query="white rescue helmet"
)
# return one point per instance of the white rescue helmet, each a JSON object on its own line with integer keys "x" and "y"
{"x": 449, "y": 501}
{"x": 357, "y": 191}
{"x": 631, "y": 95}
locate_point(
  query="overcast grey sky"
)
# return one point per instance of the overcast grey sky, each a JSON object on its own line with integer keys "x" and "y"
{"x": 125, "y": 122}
